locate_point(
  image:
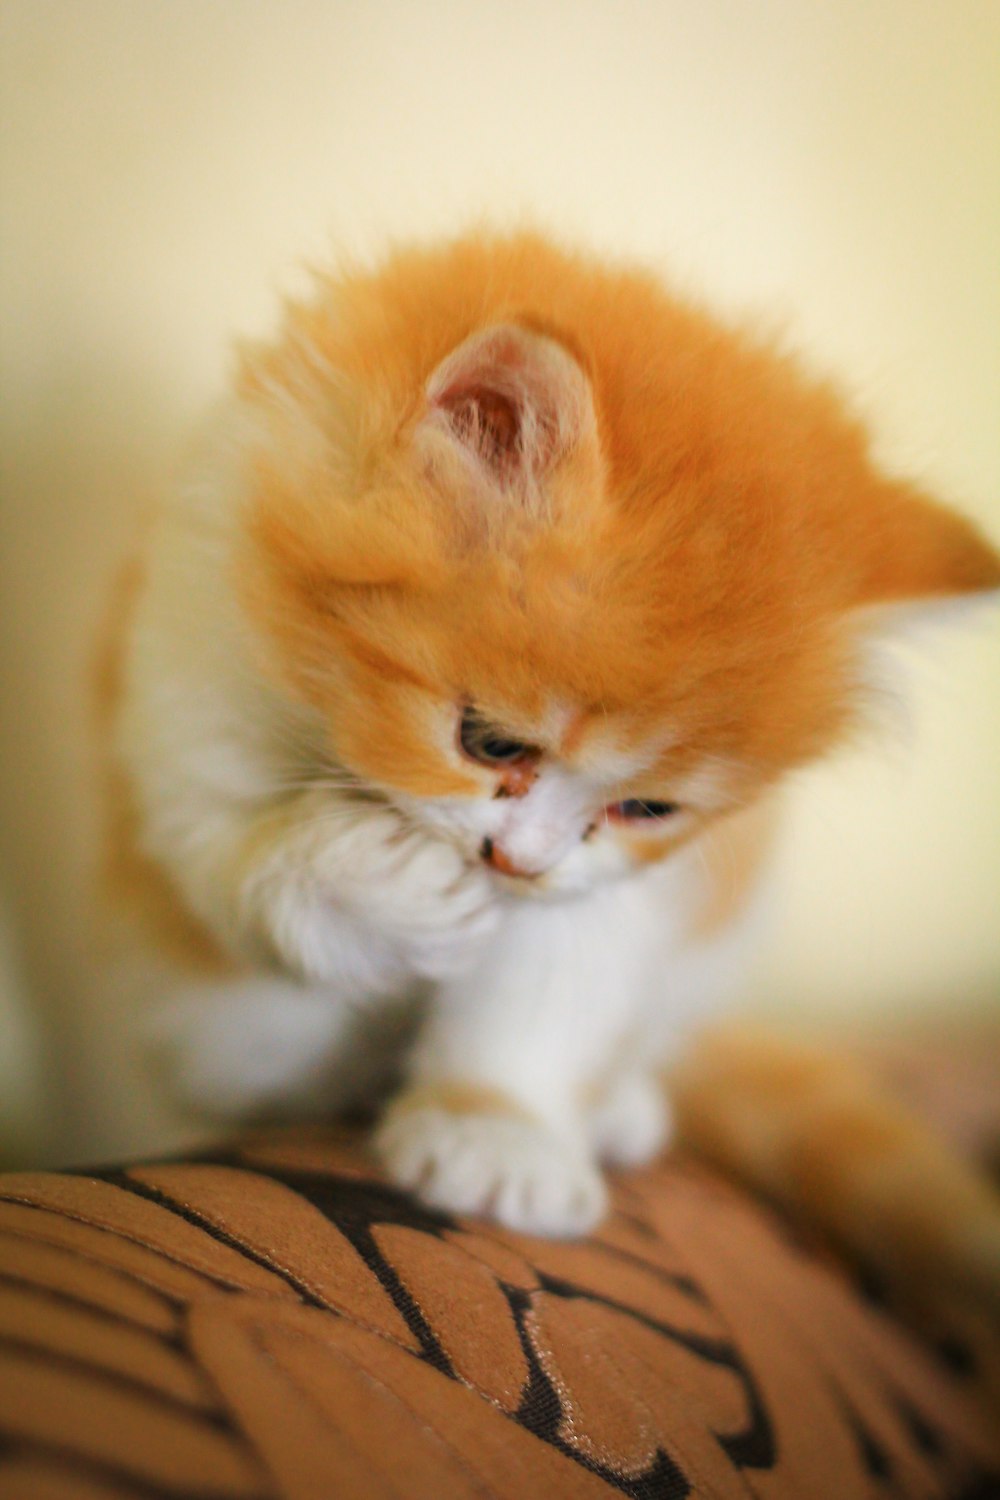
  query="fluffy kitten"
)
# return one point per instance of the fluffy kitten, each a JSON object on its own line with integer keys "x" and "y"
{"x": 454, "y": 684}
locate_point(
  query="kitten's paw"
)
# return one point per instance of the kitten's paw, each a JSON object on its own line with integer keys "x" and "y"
{"x": 504, "y": 1166}
{"x": 439, "y": 908}
{"x": 632, "y": 1122}
{"x": 368, "y": 903}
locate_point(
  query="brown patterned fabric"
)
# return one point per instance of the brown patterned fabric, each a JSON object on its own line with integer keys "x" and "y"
{"x": 275, "y": 1321}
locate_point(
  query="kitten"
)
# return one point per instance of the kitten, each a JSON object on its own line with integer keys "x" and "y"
{"x": 454, "y": 686}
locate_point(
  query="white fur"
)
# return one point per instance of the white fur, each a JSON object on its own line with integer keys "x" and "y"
{"x": 631, "y": 1121}
{"x": 519, "y": 1171}
{"x": 359, "y": 917}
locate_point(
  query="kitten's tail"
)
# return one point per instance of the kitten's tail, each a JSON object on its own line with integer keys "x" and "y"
{"x": 819, "y": 1132}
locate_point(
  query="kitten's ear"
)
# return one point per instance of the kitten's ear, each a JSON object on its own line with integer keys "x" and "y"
{"x": 508, "y": 404}
{"x": 921, "y": 554}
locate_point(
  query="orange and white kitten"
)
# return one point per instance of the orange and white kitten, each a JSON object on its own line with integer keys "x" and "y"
{"x": 454, "y": 683}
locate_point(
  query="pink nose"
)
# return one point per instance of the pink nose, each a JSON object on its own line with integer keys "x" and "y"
{"x": 497, "y": 860}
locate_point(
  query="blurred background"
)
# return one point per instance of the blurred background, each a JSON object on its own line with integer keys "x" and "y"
{"x": 166, "y": 167}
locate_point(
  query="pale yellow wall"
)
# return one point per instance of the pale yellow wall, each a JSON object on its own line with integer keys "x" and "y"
{"x": 167, "y": 162}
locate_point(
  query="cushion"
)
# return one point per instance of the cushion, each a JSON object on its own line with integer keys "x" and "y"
{"x": 272, "y": 1319}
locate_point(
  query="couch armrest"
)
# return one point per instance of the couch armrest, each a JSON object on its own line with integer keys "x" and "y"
{"x": 273, "y": 1320}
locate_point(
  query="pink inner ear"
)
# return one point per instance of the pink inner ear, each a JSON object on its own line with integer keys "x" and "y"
{"x": 513, "y": 400}
{"x": 487, "y": 421}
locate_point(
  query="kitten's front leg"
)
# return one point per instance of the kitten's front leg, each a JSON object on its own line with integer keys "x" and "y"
{"x": 493, "y": 1120}
{"x": 340, "y": 893}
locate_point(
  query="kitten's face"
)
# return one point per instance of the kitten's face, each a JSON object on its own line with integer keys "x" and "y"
{"x": 566, "y": 569}
{"x": 566, "y": 799}
{"x": 492, "y": 712}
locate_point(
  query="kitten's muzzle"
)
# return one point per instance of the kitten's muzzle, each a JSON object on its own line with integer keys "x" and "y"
{"x": 497, "y": 860}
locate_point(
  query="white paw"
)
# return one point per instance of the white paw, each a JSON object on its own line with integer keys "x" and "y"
{"x": 632, "y": 1123}
{"x": 514, "y": 1170}
{"x": 424, "y": 896}
{"x": 355, "y": 897}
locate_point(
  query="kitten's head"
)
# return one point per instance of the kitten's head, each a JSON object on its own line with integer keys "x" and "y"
{"x": 567, "y": 568}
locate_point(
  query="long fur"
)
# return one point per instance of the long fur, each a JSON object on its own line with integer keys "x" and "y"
{"x": 500, "y": 477}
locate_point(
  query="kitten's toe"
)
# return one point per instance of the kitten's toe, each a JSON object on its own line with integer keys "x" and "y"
{"x": 632, "y": 1122}
{"x": 509, "y": 1168}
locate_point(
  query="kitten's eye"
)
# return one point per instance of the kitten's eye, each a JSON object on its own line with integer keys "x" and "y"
{"x": 489, "y": 745}
{"x": 635, "y": 808}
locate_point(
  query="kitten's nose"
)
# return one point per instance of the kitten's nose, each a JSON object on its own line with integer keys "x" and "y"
{"x": 497, "y": 860}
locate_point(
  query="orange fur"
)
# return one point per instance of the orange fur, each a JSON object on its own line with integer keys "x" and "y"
{"x": 814, "y": 1129}
{"x": 696, "y": 566}
{"x": 460, "y": 1099}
